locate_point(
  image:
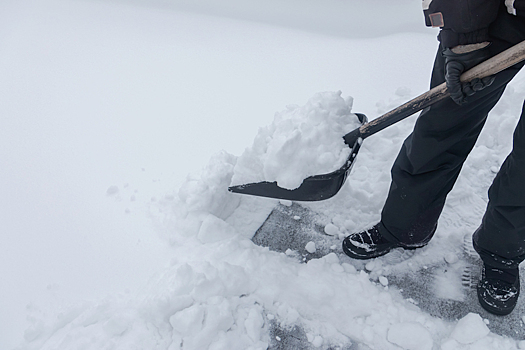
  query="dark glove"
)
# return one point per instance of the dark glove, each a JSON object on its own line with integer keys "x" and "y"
{"x": 455, "y": 65}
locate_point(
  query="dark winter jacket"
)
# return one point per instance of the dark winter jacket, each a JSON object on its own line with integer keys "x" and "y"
{"x": 465, "y": 22}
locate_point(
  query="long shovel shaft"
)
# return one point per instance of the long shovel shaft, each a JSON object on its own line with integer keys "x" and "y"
{"x": 490, "y": 67}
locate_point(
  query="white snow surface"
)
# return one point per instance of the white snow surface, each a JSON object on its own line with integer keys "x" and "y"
{"x": 210, "y": 286}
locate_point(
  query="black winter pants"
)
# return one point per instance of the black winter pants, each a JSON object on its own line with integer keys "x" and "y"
{"x": 431, "y": 158}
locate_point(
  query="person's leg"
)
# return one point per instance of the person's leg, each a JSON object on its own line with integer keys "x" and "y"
{"x": 431, "y": 158}
{"x": 500, "y": 240}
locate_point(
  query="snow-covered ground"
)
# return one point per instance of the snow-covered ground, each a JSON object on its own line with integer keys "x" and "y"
{"x": 106, "y": 107}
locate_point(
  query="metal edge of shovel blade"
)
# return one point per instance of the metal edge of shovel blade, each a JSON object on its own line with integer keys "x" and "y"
{"x": 313, "y": 188}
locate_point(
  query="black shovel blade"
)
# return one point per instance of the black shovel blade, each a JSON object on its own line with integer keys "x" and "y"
{"x": 313, "y": 188}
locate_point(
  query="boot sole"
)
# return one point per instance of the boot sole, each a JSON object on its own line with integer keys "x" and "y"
{"x": 378, "y": 253}
{"x": 494, "y": 310}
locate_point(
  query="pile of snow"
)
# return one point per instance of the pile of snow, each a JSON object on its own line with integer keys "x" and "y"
{"x": 302, "y": 141}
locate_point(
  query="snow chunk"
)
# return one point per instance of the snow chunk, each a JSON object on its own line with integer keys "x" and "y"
{"x": 410, "y": 336}
{"x": 310, "y": 247}
{"x": 383, "y": 280}
{"x": 301, "y": 141}
{"x": 331, "y": 258}
{"x": 112, "y": 190}
{"x": 331, "y": 230}
{"x": 469, "y": 329}
{"x": 373, "y": 265}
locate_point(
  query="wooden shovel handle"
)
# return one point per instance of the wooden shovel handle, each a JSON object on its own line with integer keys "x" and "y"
{"x": 494, "y": 65}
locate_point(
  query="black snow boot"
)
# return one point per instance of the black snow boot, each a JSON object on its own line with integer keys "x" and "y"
{"x": 498, "y": 289}
{"x": 367, "y": 244}
{"x": 370, "y": 244}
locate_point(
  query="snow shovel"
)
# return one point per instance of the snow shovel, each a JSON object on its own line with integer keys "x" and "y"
{"x": 320, "y": 187}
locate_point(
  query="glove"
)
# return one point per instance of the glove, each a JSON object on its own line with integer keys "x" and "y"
{"x": 456, "y": 64}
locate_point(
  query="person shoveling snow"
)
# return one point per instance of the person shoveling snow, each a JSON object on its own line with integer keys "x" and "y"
{"x": 431, "y": 158}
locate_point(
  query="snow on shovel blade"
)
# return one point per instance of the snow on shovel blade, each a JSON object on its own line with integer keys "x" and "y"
{"x": 313, "y": 188}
